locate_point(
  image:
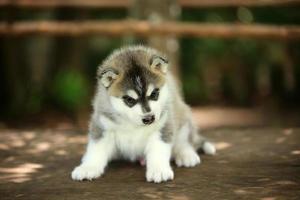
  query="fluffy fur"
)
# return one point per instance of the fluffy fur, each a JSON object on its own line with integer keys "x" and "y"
{"x": 121, "y": 129}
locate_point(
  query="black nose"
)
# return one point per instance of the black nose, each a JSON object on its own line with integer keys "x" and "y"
{"x": 148, "y": 119}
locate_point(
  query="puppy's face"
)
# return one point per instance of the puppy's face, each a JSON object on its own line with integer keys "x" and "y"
{"x": 136, "y": 87}
{"x": 141, "y": 108}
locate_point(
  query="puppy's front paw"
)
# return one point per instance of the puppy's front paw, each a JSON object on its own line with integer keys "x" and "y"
{"x": 82, "y": 172}
{"x": 159, "y": 174}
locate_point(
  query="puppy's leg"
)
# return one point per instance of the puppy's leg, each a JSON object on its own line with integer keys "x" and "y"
{"x": 184, "y": 153}
{"x": 99, "y": 152}
{"x": 158, "y": 154}
{"x": 186, "y": 156}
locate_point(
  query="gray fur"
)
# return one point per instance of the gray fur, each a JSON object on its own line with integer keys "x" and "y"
{"x": 167, "y": 132}
{"x": 96, "y": 131}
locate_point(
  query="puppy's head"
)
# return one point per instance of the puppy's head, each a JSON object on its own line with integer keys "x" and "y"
{"x": 135, "y": 79}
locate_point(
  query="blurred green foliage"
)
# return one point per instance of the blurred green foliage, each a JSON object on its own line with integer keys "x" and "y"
{"x": 69, "y": 89}
{"x": 241, "y": 71}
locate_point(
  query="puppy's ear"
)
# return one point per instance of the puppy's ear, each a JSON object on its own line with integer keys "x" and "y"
{"x": 107, "y": 76}
{"x": 159, "y": 63}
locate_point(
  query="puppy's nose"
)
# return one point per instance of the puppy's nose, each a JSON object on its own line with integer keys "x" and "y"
{"x": 149, "y": 119}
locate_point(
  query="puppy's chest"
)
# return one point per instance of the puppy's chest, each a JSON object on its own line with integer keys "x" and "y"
{"x": 130, "y": 140}
{"x": 131, "y": 143}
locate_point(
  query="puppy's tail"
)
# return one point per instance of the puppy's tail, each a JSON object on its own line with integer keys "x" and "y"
{"x": 208, "y": 148}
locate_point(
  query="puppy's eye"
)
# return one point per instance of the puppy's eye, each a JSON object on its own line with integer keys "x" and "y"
{"x": 154, "y": 95}
{"x": 129, "y": 101}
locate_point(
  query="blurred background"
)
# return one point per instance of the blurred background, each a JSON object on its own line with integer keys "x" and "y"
{"x": 47, "y": 73}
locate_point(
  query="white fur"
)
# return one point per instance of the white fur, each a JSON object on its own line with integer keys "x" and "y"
{"x": 187, "y": 157}
{"x": 97, "y": 155}
{"x": 133, "y": 114}
{"x": 129, "y": 142}
{"x": 132, "y": 94}
{"x": 149, "y": 90}
{"x": 158, "y": 155}
{"x": 209, "y": 148}
{"x": 184, "y": 153}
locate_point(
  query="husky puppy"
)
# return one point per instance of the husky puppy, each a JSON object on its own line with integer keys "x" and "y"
{"x": 140, "y": 115}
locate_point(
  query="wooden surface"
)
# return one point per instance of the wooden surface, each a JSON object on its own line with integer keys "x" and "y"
{"x": 251, "y": 163}
{"x": 144, "y": 28}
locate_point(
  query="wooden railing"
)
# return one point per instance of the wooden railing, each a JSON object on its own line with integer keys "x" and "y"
{"x": 144, "y": 28}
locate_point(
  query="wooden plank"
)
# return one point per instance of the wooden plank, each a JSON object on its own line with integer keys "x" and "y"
{"x": 144, "y": 28}
{"x": 253, "y": 162}
{"x": 126, "y": 3}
